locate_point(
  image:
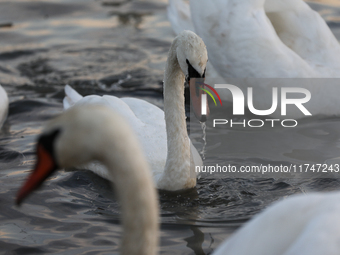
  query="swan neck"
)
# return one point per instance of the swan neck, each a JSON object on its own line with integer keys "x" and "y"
{"x": 174, "y": 109}
{"x": 178, "y": 145}
{"x": 137, "y": 195}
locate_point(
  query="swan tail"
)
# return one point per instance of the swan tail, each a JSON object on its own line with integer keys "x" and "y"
{"x": 71, "y": 97}
{"x": 179, "y": 16}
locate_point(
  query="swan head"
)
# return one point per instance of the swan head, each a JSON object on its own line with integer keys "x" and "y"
{"x": 192, "y": 54}
{"x": 192, "y": 57}
{"x": 92, "y": 132}
{"x": 74, "y": 138}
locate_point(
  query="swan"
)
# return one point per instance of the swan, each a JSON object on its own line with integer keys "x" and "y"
{"x": 265, "y": 39}
{"x": 163, "y": 135}
{"x": 93, "y": 132}
{"x": 3, "y": 105}
{"x": 302, "y": 224}
{"x": 261, "y": 38}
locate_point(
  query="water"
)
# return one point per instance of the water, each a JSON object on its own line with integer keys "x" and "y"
{"x": 105, "y": 47}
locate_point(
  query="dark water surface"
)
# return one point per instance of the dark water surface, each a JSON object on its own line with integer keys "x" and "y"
{"x": 105, "y": 47}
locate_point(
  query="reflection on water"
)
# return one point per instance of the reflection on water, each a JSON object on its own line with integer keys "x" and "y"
{"x": 118, "y": 48}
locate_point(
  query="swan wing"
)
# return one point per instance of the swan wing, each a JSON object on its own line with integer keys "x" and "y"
{"x": 146, "y": 112}
{"x": 147, "y": 121}
{"x": 73, "y": 97}
{"x": 152, "y": 133}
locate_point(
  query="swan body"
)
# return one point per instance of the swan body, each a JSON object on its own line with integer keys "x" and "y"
{"x": 163, "y": 135}
{"x": 146, "y": 124}
{"x": 265, "y": 39}
{"x": 110, "y": 140}
{"x": 3, "y": 105}
{"x": 302, "y": 224}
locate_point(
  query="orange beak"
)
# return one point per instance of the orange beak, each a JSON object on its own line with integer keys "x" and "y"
{"x": 44, "y": 168}
{"x": 196, "y": 98}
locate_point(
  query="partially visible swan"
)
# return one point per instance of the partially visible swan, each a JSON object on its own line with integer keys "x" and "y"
{"x": 180, "y": 18}
{"x": 265, "y": 39}
{"x": 163, "y": 135}
{"x": 3, "y": 106}
{"x": 261, "y": 38}
{"x": 300, "y": 225}
{"x": 87, "y": 133}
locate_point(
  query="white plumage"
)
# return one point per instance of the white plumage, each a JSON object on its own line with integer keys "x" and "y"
{"x": 266, "y": 39}
{"x": 163, "y": 136}
{"x": 147, "y": 121}
{"x": 300, "y": 225}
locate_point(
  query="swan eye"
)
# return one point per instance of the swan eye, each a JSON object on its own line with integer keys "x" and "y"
{"x": 192, "y": 71}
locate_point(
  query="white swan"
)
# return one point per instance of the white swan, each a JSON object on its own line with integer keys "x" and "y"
{"x": 262, "y": 38}
{"x": 265, "y": 39}
{"x": 300, "y": 225}
{"x": 163, "y": 135}
{"x": 91, "y": 133}
{"x": 3, "y": 106}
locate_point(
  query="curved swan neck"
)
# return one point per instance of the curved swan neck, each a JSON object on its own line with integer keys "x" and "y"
{"x": 137, "y": 196}
{"x": 177, "y": 168}
{"x": 174, "y": 109}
